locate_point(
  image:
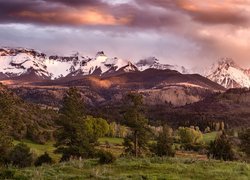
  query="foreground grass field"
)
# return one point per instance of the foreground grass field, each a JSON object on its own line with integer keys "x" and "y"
{"x": 186, "y": 165}
{"x": 146, "y": 168}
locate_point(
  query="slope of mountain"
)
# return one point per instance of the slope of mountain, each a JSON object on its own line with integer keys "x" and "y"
{"x": 152, "y": 62}
{"x": 231, "y": 107}
{"x": 229, "y": 74}
{"x": 157, "y": 87}
{"x": 25, "y": 120}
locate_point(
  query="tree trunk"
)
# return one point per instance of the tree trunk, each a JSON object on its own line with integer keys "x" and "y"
{"x": 136, "y": 144}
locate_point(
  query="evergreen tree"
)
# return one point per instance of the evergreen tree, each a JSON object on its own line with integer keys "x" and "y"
{"x": 164, "y": 145}
{"x": 21, "y": 156}
{"x": 245, "y": 141}
{"x": 137, "y": 140}
{"x": 221, "y": 148}
{"x": 73, "y": 138}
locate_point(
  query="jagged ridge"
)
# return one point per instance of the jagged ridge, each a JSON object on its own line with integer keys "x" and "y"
{"x": 19, "y": 61}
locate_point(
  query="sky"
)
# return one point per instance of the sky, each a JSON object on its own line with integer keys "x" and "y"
{"x": 192, "y": 33}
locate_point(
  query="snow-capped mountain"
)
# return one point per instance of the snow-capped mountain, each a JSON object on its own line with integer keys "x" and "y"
{"x": 15, "y": 62}
{"x": 228, "y": 74}
{"x": 152, "y": 62}
{"x": 101, "y": 64}
{"x": 20, "y": 61}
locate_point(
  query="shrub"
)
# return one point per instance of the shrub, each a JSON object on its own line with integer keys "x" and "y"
{"x": 245, "y": 141}
{"x": 21, "y": 156}
{"x": 190, "y": 138}
{"x": 164, "y": 145}
{"x": 106, "y": 157}
{"x": 6, "y": 174}
{"x": 221, "y": 149}
{"x": 43, "y": 159}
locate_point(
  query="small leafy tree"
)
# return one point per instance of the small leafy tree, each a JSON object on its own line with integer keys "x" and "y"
{"x": 190, "y": 138}
{"x": 245, "y": 141}
{"x": 164, "y": 145}
{"x": 21, "y": 156}
{"x": 137, "y": 140}
{"x": 221, "y": 148}
{"x": 112, "y": 129}
{"x": 97, "y": 127}
{"x": 43, "y": 159}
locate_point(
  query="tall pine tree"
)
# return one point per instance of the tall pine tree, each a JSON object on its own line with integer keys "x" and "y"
{"x": 137, "y": 140}
{"x": 73, "y": 138}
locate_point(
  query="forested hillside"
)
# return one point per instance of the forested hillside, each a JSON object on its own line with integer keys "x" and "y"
{"x": 25, "y": 120}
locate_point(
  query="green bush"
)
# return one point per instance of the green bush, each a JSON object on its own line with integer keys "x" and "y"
{"x": 21, "y": 156}
{"x": 245, "y": 141}
{"x": 6, "y": 174}
{"x": 221, "y": 149}
{"x": 43, "y": 159}
{"x": 190, "y": 138}
{"x": 106, "y": 157}
{"x": 164, "y": 143}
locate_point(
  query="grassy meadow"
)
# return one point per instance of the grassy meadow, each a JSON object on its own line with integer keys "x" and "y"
{"x": 143, "y": 168}
{"x": 186, "y": 165}
{"x": 114, "y": 146}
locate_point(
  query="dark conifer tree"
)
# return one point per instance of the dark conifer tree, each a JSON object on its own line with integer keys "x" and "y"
{"x": 245, "y": 142}
{"x": 73, "y": 138}
{"x": 164, "y": 143}
{"x": 221, "y": 148}
{"x": 134, "y": 118}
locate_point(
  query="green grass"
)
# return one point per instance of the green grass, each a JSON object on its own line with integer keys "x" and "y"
{"x": 146, "y": 168}
{"x": 181, "y": 167}
{"x": 114, "y": 141}
{"x": 209, "y": 137}
{"x": 39, "y": 149}
{"x": 115, "y": 145}
{"x": 48, "y": 147}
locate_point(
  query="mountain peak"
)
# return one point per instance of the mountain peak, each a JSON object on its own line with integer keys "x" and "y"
{"x": 227, "y": 62}
{"x": 228, "y": 74}
{"x": 100, "y": 53}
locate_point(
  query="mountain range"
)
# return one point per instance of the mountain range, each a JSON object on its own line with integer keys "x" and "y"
{"x": 30, "y": 65}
